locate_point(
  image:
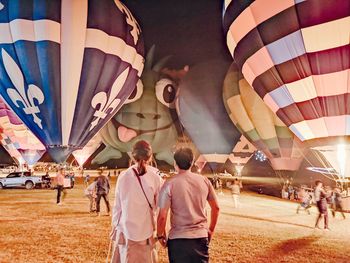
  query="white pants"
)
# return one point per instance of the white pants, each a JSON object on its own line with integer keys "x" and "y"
{"x": 236, "y": 203}
{"x": 128, "y": 251}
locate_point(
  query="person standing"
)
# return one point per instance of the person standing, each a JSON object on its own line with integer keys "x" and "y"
{"x": 236, "y": 191}
{"x": 102, "y": 190}
{"x": 321, "y": 202}
{"x": 86, "y": 180}
{"x": 337, "y": 202}
{"x": 135, "y": 208}
{"x": 305, "y": 200}
{"x": 60, "y": 185}
{"x": 90, "y": 192}
{"x": 186, "y": 195}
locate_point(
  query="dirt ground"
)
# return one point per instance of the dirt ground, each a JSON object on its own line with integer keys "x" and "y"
{"x": 264, "y": 229}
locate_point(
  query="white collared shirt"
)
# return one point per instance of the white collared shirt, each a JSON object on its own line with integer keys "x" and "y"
{"x": 131, "y": 212}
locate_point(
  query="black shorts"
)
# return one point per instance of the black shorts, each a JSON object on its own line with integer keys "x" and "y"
{"x": 188, "y": 250}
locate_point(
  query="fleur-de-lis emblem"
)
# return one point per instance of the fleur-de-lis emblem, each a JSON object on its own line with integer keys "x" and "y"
{"x": 110, "y": 103}
{"x": 130, "y": 20}
{"x": 28, "y": 98}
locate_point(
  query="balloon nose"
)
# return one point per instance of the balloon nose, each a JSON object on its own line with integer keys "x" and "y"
{"x": 156, "y": 116}
{"x": 140, "y": 115}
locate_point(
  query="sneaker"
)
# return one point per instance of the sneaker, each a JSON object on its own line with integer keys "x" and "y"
{"x": 327, "y": 229}
{"x": 59, "y": 203}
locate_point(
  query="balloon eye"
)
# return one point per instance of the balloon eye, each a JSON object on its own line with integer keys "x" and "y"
{"x": 136, "y": 93}
{"x": 166, "y": 92}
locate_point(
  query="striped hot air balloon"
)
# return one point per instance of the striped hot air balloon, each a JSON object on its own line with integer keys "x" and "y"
{"x": 259, "y": 124}
{"x": 66, "y": 67}
{"x": 296, "y": 55}
{"x": 19, "y": 142}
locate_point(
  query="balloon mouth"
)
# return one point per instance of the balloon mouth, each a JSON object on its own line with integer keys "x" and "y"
{"x": 126, "y": 133}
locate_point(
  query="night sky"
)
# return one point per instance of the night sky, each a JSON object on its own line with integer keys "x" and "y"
{"x": 191, "y": 31}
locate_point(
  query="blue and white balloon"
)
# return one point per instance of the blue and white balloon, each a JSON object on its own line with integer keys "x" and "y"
{"x": 66, "y": 67}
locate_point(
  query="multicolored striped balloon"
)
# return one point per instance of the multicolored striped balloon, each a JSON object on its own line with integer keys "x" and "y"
{"x": 259, "y": 124}
{"x": 19, "y": 142}
{"x": 296, "y": 55}
{"x": 66, "y": 67}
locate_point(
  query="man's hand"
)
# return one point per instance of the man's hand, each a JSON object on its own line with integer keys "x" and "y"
{"x": 163, "y": 241}
{"x": 113, "y": 234}
{"x": 210, "y": 234}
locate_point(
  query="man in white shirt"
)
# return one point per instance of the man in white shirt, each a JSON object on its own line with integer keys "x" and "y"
{"x": 186, "y": 195}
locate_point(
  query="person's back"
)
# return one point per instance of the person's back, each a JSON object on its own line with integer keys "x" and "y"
{"x": 102, "y": 185}
{"x": 134, "y": 219}
{"x": 189, "y": 193}
{"x": 186, "y": 195}
{"x": 235, "y": 189}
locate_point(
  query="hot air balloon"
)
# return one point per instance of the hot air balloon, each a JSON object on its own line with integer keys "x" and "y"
{"x": 202, "y": 112}
{"x": 66, "y": 67}
{"x": 82, "y": 155}
{"x": 241, "y": 154}
{"x": 149, "y": 114}
{"x": 259, "y": 124}
{"x": 17, "y": 139}
{"x": 296, "y": 55}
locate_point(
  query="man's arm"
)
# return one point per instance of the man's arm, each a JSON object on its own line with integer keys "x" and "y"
{"x": 161, "y": 223}
{"x": 214, "y": 214}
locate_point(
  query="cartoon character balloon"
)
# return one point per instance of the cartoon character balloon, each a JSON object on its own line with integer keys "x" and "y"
{"x": 149, "y": 114}
{"x": 66, "y": 67}
{"x": 202, "y": 112}
{"x": 17, "y": 139}
{"x": 259, "y": 124}
{"x": 296, "y": 55}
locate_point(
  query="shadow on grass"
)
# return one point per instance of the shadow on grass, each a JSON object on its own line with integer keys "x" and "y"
{"x": 266, "y": 220}
{"x": 292, "y": 245}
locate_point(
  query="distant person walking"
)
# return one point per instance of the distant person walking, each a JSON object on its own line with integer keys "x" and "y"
{"x": 135, "y": 208}
{"x": 305, "y": 199}
{"x": 321, "y": 202}
{"x": 86, "y": 180}
{"x": 102, "y": 190}
{"x": 91, "y": 193}
{"x": 236, "y": 192}
{"x": 60, "y": 185}
{"x": 186, "y": 195}
{"x": 337, "y": 205}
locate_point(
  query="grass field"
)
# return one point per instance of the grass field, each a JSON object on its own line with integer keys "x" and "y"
{"x": 33, "y": 229}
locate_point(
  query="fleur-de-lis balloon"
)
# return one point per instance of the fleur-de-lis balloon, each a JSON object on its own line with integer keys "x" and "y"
{"x": 66, "y": 67}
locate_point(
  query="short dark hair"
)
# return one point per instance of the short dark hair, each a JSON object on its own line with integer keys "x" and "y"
{"x": 317, "y": 182}
{"x": 184, "y": 158}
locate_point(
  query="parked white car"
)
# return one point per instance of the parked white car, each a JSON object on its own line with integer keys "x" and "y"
{"x": 20, "y": 179}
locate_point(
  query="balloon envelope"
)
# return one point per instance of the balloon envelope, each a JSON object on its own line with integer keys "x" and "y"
{"x": 259, "y": 124}
{"x": 17, "y": 139}
{"x": 297, "y": 62}
{"x": 202, "y": 113}
{"x": 66, "y": 67}
{"x": 149, "y": 114}
{"x": 82, "y": 155}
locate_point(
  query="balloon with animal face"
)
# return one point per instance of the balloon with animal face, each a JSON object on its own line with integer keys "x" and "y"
{"x": 149, "y": 114}
{"x": 66, "y": 67}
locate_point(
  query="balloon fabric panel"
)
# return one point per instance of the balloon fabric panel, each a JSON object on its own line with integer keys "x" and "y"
{"x": 296, "y": 55}
{"x": 66, "y": 68}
